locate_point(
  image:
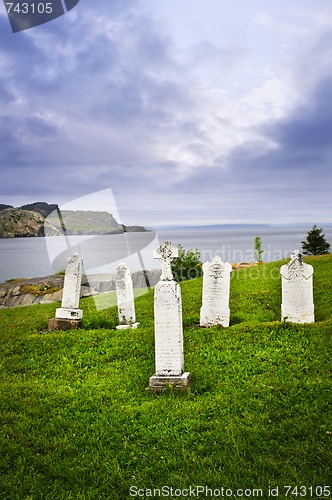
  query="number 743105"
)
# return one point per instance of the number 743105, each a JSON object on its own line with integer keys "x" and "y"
{"x": 26, "y": 8}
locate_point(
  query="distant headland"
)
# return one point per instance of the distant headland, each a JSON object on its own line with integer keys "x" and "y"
{"x": 43, "y": 219}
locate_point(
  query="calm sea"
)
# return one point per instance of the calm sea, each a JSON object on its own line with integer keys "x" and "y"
{"x": 35, "y": 257}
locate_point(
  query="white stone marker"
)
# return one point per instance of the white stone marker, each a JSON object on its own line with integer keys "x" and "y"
{"x": 297, "y": 291}
{"x": 169, "y": 355}
{"x": 125, "y": 298}
{"x": 216, "y": 288}
{"x": 71, "y": 290}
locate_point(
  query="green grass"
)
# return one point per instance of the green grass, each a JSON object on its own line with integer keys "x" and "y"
{"x": 77, "y": 422}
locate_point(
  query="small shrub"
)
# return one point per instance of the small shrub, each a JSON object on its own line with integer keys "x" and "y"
{"x": 38, "y": 290}
{"x": 62, "y": 272}
{"x": 188, "y": 265}
{"x": 258, "y": 249}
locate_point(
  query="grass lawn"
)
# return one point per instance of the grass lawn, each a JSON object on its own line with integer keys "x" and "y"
{"x": 77, "y": 422}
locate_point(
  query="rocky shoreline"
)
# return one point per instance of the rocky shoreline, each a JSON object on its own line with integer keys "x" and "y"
{"x": 48, "y": 289}
{"x": 27, "y": 292}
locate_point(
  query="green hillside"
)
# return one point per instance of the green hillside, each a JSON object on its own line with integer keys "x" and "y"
{"x": 77, "y": 422}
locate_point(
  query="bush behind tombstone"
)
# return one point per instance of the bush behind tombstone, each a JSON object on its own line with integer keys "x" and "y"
{"x": 187, "y": 265}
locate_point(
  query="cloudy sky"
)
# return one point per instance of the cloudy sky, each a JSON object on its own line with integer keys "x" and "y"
{"x": 189, "y": 111}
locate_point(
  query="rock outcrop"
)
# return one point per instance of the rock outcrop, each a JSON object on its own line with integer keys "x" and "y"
{"x": 40, "y": 219}
{"x": 49, "y": 289}
{"x": 41, "y": 207}
{"x": 17, "y": 223}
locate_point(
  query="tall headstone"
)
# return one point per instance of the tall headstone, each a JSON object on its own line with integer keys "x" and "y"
{"x": 216, "y": 289}
{"x": 297, "y": 291}
{"x": 125, "y": 298}
{"x": 69, "y": 316}
{"x": 169, "y": 356}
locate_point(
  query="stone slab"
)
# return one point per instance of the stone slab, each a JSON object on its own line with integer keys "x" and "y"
{"x": 125, "y": 296}
{"x": 159, "y": 383}
{"x": 55, "y": 324}
{"x": 169, "y": 354}
{"x": 216, "y": 291}
{"x": 72, "y": 282}
{"x": 297, "y": 291}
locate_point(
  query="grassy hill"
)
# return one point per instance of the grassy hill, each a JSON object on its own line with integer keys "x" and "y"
{"x": 77, "y": 422}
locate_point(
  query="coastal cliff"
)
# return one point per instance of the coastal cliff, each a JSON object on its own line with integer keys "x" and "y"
{"x": 40, "y": 219}
{"x": 17, "y": 223}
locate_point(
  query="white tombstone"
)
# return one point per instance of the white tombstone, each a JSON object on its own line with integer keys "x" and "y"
{"x": 125, "y": 298}
{"x": 216, "y": 289}
{"x": 71, "y": 290}
{"x": 169, "y": 357}
{"x": 297, "y": 291}
{"x": 166, "y": 253}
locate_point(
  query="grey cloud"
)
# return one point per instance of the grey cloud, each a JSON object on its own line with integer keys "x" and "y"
{"x": 96, "y": 109}
{"x": 309, "y": 128}
{"x": 291, "y": 180}
{"x": 206, "y": 54}
{"x": 98, "y": 82}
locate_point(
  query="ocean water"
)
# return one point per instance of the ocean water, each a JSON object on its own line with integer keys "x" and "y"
{"x": 35, "y": 257}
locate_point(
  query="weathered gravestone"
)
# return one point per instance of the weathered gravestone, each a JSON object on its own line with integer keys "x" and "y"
{"x": 297, "y": 291}
{"x": 216, "y": 288}
{"x": 169, "y": 355}
{"x": 69, "y": 316}
{"x": 125, "y": 298}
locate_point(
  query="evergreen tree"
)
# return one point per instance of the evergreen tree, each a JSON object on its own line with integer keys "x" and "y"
{"x": 315, "y": 243}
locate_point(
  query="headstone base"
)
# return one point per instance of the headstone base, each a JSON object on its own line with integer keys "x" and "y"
{"x": 64, "y": 313}
{"x": 206, "y": 320}
{"x": 159, "y": 383}
{"x": 127, "y": 327}
{"x": 299, "y": 318}
{"x": 63, "y": 324}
